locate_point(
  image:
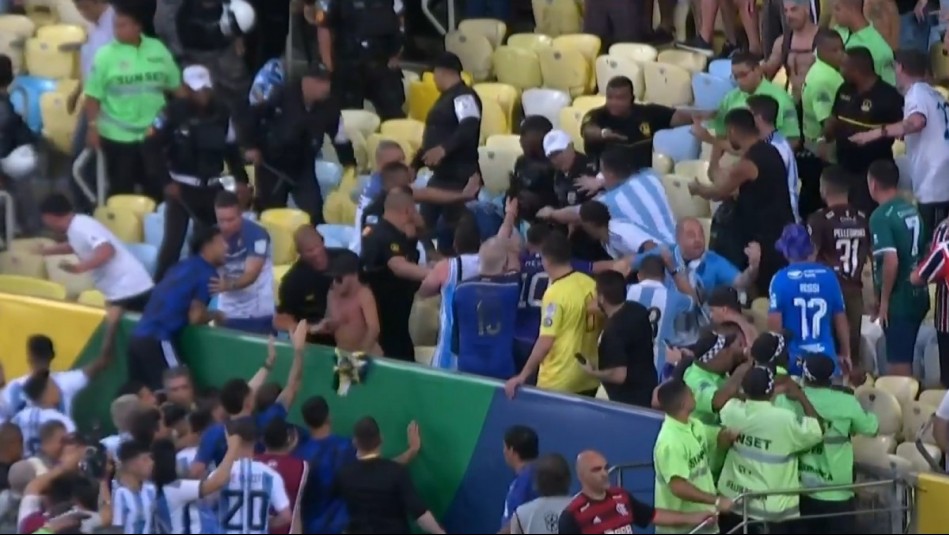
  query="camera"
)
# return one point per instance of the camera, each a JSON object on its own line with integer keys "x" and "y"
{"x": 94, "y": 462}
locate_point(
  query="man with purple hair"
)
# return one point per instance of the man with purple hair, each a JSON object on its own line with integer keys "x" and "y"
{"x": 806, "y": 300}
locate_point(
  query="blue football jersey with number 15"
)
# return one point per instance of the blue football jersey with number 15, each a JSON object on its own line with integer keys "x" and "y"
{"x": 808, "y": 296}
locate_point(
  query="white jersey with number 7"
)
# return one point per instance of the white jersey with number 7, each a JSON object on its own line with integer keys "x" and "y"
{"x": 246, "y": 502}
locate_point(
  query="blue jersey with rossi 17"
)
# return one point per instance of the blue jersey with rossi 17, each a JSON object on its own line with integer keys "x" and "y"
{"x": 322, "y": 511}
{"x": 808, "y": 296}
{"x": 534, "y": 281}
{"x": 485, "y": 309}
{"x": 257, "y": 299}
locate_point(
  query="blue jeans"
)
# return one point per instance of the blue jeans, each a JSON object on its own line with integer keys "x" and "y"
{"x": 914, "y": 35}
{"x": 250, "y": 325}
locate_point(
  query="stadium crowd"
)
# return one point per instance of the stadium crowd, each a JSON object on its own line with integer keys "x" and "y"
{"x": 584, "y": 279}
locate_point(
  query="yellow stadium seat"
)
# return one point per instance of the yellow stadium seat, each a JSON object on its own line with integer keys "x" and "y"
{"x": 279, "y": 271}
{"x": 42, "y": 12}
{"x": 372, "y": 142}
{"x": 899, "y": 147}
{"x": 570, "y": 120}
{"x": 360, "y": 151}
{"x": 288, "y": 218}
{"x": 932, "y": 397}
{"x": 496, "y": 168}
{"x": 759, "y": 313}
{"x": 50, "y": 60}
{"x": 939, "y": 60}
{"x": 669, "y": 85}
{"x": 609, "y": 67}
{"x": 493, "y": 30}
{"x": 281, "y": 239}
{"x": 635, "y": 51}
{"x": 683, "y": 203}
{"x": 871, "y": 450}
{"x": 556, "y": 17}
{"x": 423, "y": 321}
{"x": 59, "y": 125}
{"x": 62, "y": 33}
{"x": 421, "y": 98}
{"x": 92, "y": 298}
{"x": 493, "y": 120}
{"x": 407, "y": 78}
{"x": 17, "y": 25}
{"x": 507, "y": 142}
{"x": 884, "y": 405}
{"x": 693, "y": 169}
{"x": 363, "y": 121}
{"x": 124, "y": 223}
{"x": 339, "y": 209}
{"x": 28, "y": 286}
{"x": 584, "y": 43}
{"x": 517, "y": 67}
{"x": 690, "y": 61}
{"x": 424, "y": 354}
{"x": 942, "y": 91}
{"x": 916, "y": 416}
{"x": 68, "y": 13}
{"x": 507, "y": 96}
{"x": 910, "y": 452}
{"x": 74, "y": 283}
{"x": 780, "y": 78}
{"x": 140, "y": 205}
{"x": 29, "y": 245}
{"x": 565, "y": 69}
{"x": 474, "y": 51}
{"x": 586, "y": 103}
{"x": 25, "y": 263}
{"x": 529, "y": 41}
{"x": 662, "y": 163}
{"x": 904, "y": 389}
{"x": 408, "y": 130}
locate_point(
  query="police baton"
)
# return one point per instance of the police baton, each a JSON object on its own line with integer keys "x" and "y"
{"x": 282, "y": 178}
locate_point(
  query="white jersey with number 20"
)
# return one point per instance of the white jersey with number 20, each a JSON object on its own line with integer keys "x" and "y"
{"x": 928, "y": 149}
{"x": 246, "y": 501}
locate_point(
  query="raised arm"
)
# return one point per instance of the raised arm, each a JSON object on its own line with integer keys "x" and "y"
{"x": 295, "y": 376}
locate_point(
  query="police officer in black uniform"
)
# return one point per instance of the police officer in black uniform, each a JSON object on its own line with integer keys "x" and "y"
{"x": 449, "y": 145}
{"x": 15, "y": 133}
{"x": 360, "y": 40}
{"x": 285, "y": 134}
{"x": 193, "y": 137}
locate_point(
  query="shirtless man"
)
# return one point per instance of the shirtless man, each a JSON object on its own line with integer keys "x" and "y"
{"x": 351, "y": 314}
{"x": 800, "y": 54}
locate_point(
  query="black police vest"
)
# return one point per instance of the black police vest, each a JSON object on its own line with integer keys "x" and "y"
{"x": 373, "y": 21}
{"x": 198, "y": 144}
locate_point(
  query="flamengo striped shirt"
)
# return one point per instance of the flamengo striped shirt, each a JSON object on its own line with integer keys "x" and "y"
{"x": 934, "y": 270}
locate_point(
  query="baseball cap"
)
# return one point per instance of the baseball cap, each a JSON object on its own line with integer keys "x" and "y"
{"x": 448, "y": 61}
{"x": 724, "y": 296}
{"x": 556, "y": 141}
{"x": 197, "y": 77}
{"x": 709, "y": 345}
{"x": 319, "y": 71}
{"x": 818, "y": 368}
{"x": 345, "y": 263}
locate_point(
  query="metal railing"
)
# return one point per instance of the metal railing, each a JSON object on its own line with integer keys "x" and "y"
{"x": 619, "y": 469}
{"x": 9, "y": 214}
{"x": 430, "y": 15}
{"x": 102, "y": 183}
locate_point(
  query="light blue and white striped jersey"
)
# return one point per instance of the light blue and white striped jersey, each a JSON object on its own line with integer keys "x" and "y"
{"x": 790, "y": 163}
{"x": 184, "y": 458}
{"x": 179, "y": 509}
{"x": 460, "y": 268}
{"x": 30, "y": 419}
{"x": 70, "y": 383}
{"x": 664, "y": 305}
{"x": 246, "y": 501}
{"x": 641, "y": 199}
{"x": 111, "y": 443}
{"x": 268, "y": 78}
{"x": 625, "y": 238}
{"x": 134, "y": 511}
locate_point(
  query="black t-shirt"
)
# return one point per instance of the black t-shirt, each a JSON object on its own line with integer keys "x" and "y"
{"x": 856, "y": 112}
{"x": 643, "y": 121}
{"x": 535, "y": 176}
{"x": 763, "y": 205}
{"x": 394, "y": 296}
{"x": 303, "y": 292}
{"x": 906, "y": 6}
{"x": 627, "y": 340}
{"x": 568, "y": 194}
{"x": 379, "y": 496}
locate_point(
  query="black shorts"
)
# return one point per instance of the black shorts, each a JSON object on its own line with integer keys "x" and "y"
{"x": 149, "y": 357}
{"x": 135, "y": 303}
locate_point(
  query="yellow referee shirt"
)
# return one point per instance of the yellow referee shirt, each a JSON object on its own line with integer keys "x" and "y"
{"x": 565, "y": 318}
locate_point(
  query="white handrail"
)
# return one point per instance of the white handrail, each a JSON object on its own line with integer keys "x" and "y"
{"x": 102, "y": 183}
{"x": 9, "y": 209}
{"x": 427, "y": 10}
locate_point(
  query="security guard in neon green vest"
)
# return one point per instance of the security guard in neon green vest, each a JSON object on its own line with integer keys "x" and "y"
{"x": 684, "y": 481}
{"x": 770, "y": 350}
{"x": 706, "y": 373}
{"x": 831, "y": 461}
{"x": 764, "y": 455}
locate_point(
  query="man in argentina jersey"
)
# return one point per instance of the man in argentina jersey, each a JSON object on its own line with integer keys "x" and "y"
{"x": 253, "y": 491}
{"x": 43, "y": 396}
{"x": 133, "y": 495}
{"x": 40, "y": 354}
{"x": 443, "y": 278}
{"x": 664, "y": 304}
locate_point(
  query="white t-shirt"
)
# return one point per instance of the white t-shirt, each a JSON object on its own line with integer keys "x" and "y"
{"x": 30, "y": 419}
{"x": 254, "y": 489}
{"x": 69, "y": 382}
{"x": 134, "y": 511}
{"x": 111, "y": 443}
{"x": 928, "y": 149}
{"x": 123, "y": 276}
{"x": 183, "y": 511}
{"x": 625, "y": 238}
{"x": 184, "y": 458}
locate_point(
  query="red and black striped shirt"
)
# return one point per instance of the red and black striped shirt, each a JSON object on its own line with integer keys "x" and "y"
{"x": 935, "y": 269}
{"x": 617, "y": 512}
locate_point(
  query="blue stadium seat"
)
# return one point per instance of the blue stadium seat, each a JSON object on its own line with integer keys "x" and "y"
{"x": 146, "y": 253}
{"x": 336, "y": 235}
{"x": 709, "y": 90}
{"x": 677, "y": 143}
{"x": 155, "y": 227}
{"x": 721, "y": 68}
{"x": 328, "y": 176}
{"x": 25, "y": 94}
